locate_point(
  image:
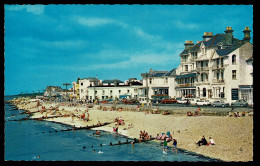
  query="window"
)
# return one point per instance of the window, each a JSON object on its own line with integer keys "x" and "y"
{"x": 103, "y": 92}
{"x": 233, "y": 59}
{"x": 166, "y": 80}
{"x": 128, "y": 91}
{"x": 186, "y": 67}
{"x": 81, "y": 90}
{"x": 218, "y": 75}
{"x": 81, "y": 84}
{"x": 119, "y": 91}
{"x": 234, "y": 74}
{"x": 222, "y": 62}
{"x": 111, "y": 91}
{"x": 217, "y": 63}
{"x": 222, "y": 75}
{"x": 202, "y": 78}
{"x": 150, "y": 81}
{"x": 95, "y": 92}
{"x": 204, "y": 92}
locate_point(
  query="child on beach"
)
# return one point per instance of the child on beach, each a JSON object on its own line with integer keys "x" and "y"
{"x": 174, "y": 145}
{"x": 165, "y": 146}
{"x": 211, "y": 141}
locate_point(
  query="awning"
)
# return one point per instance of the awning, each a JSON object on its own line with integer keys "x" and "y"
{"x": 123, "y": 96}
{"x": 186, "y": 76}
{"x": 160, "y": 87}
{"x": 245, "y": 86}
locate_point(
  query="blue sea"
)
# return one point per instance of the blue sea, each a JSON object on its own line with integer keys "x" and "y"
{"x": 26, "y": 140}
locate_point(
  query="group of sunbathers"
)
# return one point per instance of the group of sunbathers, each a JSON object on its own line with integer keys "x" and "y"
{"x": 119, "y": 121}
{"x": 166, "y": 136}
{"x": 144, "y": 135}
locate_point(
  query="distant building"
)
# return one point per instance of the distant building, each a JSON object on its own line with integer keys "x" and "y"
{"x": 159, "y": 84}
{"x": 85, "y": 83}
{"x": 53, "y": 91}
{"x": 114, "y": 89}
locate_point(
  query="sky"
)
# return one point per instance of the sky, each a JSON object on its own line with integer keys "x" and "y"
{"x": 48, "y": 45}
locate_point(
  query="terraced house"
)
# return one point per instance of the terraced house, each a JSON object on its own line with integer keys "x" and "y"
{"x": 219, "y": 67}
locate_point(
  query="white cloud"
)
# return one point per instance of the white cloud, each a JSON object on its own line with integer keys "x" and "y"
{"x": 91, "y": 22}
{"x": 35, "y": 9}
{"x": 181, "y": 25}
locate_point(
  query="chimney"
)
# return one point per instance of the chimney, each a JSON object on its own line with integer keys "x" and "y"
{"x": 207, "y": 36}
{"x": 247, "y": 34}
{"x": 229, "y": 36}
{"x": 188, "y": 44}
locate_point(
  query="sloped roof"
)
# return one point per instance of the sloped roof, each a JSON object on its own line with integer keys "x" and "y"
{"x": 195, "y": 47}
{"x": 228, "y": 50}
{"x": 186, "y": 51}
{"x": 186, "y": 76}
{"x": 171, "y": 72}
{"x": 112, "y": 81}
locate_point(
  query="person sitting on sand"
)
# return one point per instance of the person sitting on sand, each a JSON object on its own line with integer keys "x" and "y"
{"x": 158, "y": 137}
{"x": 203, "y": 141}
{"x": 211, "y": 141}
{"x": 98, "y": 124}
{"x": 238, "y": 114}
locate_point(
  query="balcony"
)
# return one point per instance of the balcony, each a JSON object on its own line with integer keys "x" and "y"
{"x": 218, "y": 81}
{"x": 199, "y": 69}
{"x": 206, "y": 82}
{"x": 186, "y": 85}
{"x": 215, "y": 67}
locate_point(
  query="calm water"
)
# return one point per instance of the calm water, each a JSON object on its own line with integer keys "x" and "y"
{"x": 25, "y": 140}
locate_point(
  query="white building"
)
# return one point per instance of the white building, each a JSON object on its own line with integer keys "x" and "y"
{"x": 114, "y": 89}
{"x": 159, "y": 84}
{"x": 84, "y": 84}
{"x": 219, "y": 67}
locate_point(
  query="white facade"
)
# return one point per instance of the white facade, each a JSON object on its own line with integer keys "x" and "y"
{"x": 113, "y": 92}
{"x": 217, "y": 70}
{"x": 84, "y": 84}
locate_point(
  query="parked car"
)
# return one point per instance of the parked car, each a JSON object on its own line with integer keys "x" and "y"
{"x": 202, "y": 102}
{"x": 169, "y": 101}
{"x": 182, "y": 101}
{"x": 104, "y": 101}
{"x": 239, "y": 103}
{"x": 219, "y": 103}
{"x": 156, "y": 100}
{"x": 192, "y": 101}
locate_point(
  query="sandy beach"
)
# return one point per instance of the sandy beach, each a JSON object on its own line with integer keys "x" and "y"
{"x": 233, "y": 136}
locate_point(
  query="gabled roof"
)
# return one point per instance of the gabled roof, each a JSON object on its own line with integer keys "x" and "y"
{"x": 195, "y": 47}
{"x": 171, "y": 72}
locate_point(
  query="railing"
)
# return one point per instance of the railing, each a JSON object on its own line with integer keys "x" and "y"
{"x": 202, "y": 68}
{"x": 218, "y": 81}
{"x": 186, "y": 85}
{"x": 214, "y": 67}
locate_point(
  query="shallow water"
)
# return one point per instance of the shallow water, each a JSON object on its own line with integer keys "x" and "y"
{"x": 25, "y": 140}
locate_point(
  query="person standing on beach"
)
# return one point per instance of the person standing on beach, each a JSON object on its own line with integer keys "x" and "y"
{"x": 174, "y": 145}
{"x": 165, "y": 146}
